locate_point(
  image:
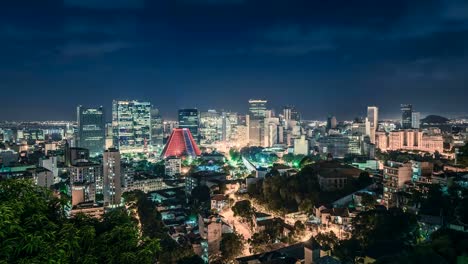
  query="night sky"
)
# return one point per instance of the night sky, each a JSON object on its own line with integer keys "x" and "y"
{"x": 325, "y": 57}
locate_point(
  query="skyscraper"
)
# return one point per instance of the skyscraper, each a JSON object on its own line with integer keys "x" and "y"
{"x": 291, "y": 113}
{"x": 331, "y": 122}
{"x": 189, "y": 118}
{"x": 157, "y": 129}
{"x": 211, "y": 127}
{"x": 257, "y": 109}
{"x": 416, "y": 120}
{"x": 257, "y": 114}
{"x": 373, "y": 119}
{"x": 91, "y": 129}
{"x": 112, "y": 178}
{"x": 131, "y": 122}
{"x": 406, "y": 116}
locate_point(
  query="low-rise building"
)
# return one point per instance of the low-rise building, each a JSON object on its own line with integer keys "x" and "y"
{"x": 172, "y": 166}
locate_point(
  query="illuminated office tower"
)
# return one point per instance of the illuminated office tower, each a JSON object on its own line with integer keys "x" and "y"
{"x": 291, "y": 113}
{"x": 257, "y": 109}
{"x": 257, "y": 114}
{"x": 112, "y": 178}
{"x": 131, "y": 122}
{"x": 229, "y": 126}
{"x": 91, "y": 129}
{"x": 406, "y": 116}
{"x": 373, "y": 122}
{"x": 189, "y": 118}
{"x": 211, "y": 127}
{"x": 157, "y": 129}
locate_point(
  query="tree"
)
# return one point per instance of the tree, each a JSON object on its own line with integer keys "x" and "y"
{"x": 34, "y": 229}
{"x": 243, "y": 209}
{"x": 307, "y": 206}
{"x": 231, "y": 246}
{"x": 368, "y": 200}
{"x": 234, "y": 155}
{"x": 373, "y": 226}
{"x": 329, "y": 239}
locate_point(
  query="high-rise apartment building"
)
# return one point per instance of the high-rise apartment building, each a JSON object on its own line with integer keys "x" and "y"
{"x": 91, "y": 129}
{"x": 131, "y": 122}
{"x": 112, "y": 178}
{"x": 406, "y": 116}
{"x": 190, "y": 119}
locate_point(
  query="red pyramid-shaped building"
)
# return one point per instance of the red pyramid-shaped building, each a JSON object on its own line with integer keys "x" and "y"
{"x": 181, "y": 143}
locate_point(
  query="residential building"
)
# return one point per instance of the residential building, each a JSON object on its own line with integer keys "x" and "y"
{"x": 410, "y": 139}
{"x": 172, "y": 166}
{"x": 395, "y": 176}
{"x": 210, "y": 227}
{"x": 112, "y": 178}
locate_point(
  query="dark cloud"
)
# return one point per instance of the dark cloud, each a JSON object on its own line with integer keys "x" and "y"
{"x": 320, "y": 55}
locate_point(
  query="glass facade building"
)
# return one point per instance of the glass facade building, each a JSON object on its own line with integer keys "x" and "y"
{"x": 406, "y": 116}
{"x": 211, "y": 127}
{"x": 190, "y": 119}
{"x": 131, "y": 122}
{"x": 157, "y": 129}
{"x": 91, "y": 129}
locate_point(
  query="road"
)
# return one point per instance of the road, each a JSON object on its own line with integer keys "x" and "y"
{"x": 240, "y": 228}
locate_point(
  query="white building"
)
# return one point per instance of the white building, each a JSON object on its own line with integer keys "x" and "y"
{"x": 301, "y": 146}
{"x": 172, "y": 166}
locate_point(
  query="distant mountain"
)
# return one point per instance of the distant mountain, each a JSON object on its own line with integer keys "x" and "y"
{"x": 434, "y": 119}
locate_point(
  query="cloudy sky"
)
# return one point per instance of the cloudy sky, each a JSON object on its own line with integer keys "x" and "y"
{"x": 325, "y": 57}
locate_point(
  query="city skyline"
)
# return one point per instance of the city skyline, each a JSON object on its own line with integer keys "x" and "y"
{"x": 60, "y": 54}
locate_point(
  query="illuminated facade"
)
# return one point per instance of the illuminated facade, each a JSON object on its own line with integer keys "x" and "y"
{"x": 372, "y": 122}
{"x": 410, "y": 140}
{"x": 394, "y": 178}
{"x": 131, "y": 122}
{"x": 257, "y": 114}
{"x": 112, "y": 178}
{"x": 181, "y": 143}
{"x": 211, "y": 127}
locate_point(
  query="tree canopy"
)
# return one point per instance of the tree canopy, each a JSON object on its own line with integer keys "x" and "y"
{"x": 34, "y": 229}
